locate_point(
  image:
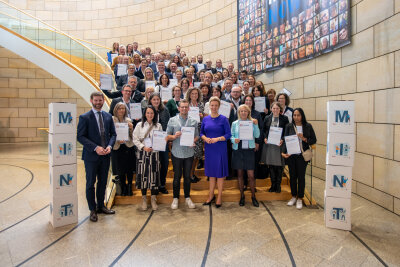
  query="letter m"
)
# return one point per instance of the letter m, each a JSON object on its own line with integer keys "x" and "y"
{"x": 64, "y": 117}
{"x": 342, "y": 117}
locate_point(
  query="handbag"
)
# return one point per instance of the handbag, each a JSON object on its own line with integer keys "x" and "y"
{"x": 307, "y": 155}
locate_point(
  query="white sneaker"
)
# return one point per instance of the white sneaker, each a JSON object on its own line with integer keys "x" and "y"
{"x": 144, "y": 202}
{"x": 154, "y": 205}
{"x": 174, "y": 204}
{"x": 299, "y": 204}
{"x": 189, "y": 203}
{"x": 292, "y": 201}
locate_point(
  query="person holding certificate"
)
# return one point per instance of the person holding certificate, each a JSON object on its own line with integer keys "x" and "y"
{"x": 123, "y": 152}
{"x": 163, "y": 87}
{"x": 163, "y": 118}
{"x": 215, "y": 131}
{"x": 184, "y": 132}
{"x": 297, "y": 164}
{"x": 148, "y": 161}
{"x": 259, "y": 91}
{"x": 272, "y": 148}
{"x": 149, "y": 91}
{"x": 172, "y": 104}
{"x": 284, "y": 100}
{"x": 244, "y": 131}
{"x": 194, "y": 97}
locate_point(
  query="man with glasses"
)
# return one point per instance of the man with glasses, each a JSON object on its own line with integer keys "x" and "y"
{"x": 182, "y": 156}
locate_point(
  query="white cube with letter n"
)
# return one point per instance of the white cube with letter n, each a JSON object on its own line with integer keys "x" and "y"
{"x": 340, "y": 151}
{"x": 62, "y": 164}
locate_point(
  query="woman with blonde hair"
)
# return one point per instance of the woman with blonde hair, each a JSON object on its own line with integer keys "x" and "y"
{"x": 149, "y": 91}
{"x": 194, "y": 98}
{"x": 215, "y": 131}
{"x": 243, "y": 155}
{"x": 123, "y": 151}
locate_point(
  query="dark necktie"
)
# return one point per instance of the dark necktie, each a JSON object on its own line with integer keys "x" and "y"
{"x": 102, "y": 136}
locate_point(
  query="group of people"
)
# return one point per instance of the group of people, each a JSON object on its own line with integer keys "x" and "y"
{"x": 195, "y": 109}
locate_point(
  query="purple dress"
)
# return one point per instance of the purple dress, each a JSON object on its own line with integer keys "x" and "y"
{"x": 216, "y": 155}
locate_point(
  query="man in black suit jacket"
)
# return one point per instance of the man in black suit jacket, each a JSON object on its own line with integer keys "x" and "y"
{"x": 96, "y": 132}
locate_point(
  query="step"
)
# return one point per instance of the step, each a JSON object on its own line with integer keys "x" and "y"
{"x": 200, "y": 196}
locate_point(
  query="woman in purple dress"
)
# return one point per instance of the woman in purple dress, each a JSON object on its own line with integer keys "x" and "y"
{"x": 215, "y": 131}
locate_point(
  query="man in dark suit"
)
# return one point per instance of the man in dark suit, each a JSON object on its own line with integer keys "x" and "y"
{"x": 96, "y": 132}
{"x": 161, "y": 71}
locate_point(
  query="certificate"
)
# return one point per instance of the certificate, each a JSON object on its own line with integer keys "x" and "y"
{"x": 299, "y": 129}
{"x": 197, "y": 84}
{"x": 187, "y": 137}
{"x": 135, "y": 111}
{"x": 194, "y": 113}
{"x": 122, "y": 130}
{"x": 150, "y": 84}
{"x": 274, "y": 136}
{"x": 200, "y": 67}
{"x": 235, "y": 85}
{"x": 213, "y": 84}
{"x": 240, "y": 82}
{"x": 172, "y": 83}
{"x": 159, "y": 142}
{"x": 106, "y": 82}
{"x": 147, "y": 142}
{"x": 225, "y": 109}
{"x": 292, "y": 144}
{"x": 259, "y": 103}
{"x": 288, "y": 114}
{"x": 245, "y": 130}
{"x": 113, "y": 56}
{"x": 166, "y": 93}
{"x": 121, "y": 69}
{"x": 286, "y": 91}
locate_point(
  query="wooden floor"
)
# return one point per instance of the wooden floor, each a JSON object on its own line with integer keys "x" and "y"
{"x": 199, "y": 191}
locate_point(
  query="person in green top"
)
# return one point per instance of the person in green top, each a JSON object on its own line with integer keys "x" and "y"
{"x": 173, "y": 103}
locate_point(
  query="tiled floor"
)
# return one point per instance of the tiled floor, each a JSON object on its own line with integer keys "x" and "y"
{"x": 241, "y": 236}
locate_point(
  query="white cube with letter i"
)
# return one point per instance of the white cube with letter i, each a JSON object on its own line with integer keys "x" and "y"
{"x": 340, "y": 149}
{"x": 63, "y": 180}
{"x": 62, "y": 149}
{"x": 62, "y": 118}
{"x": 64, "y": 210}
{"x": 340, "y": 116}
{"x": 338, "y": 181}
{"x": 338, "y": 213}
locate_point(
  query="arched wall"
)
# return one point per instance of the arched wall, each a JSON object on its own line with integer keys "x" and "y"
{"x": 200, "y": 26}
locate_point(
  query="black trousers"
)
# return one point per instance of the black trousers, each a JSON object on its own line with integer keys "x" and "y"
{"x": 276, "y": 174}
{"x": 97, "y": 169}
{"x": 182, "y": 166}
{"x": 297, "y": 171}
{"x": 164, "y": 160}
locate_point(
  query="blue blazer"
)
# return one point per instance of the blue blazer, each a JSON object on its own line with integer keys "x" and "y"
{"x": 89, "y": 134}
{"x": 235, "y": 134}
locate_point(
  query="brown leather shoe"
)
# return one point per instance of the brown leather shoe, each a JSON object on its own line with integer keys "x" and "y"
{"x": 105, "y": 210}
{"x": 93, "y": 216}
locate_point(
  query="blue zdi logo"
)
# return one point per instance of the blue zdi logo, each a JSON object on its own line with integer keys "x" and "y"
{"x": 338, "y": 214}
{"x": 340, "y": 181}
{"x": 66, "y": 179}
{"x": 66, "y": 210}
{"x": 65, "y": 149}
{"x": 342, "y": 149}
{"x": 342, "y": 116}
{"x": 64, "y": 118}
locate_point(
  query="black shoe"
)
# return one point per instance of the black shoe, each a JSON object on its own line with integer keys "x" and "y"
{"x": 105, "y": 210}
{"x": 255, "y": 202}
{"x": 163, "y": 190}
{"x": 93, "y": 216}
{"x": 272, "y": 188}
{"x": 278, "y": 189}
{"x": 218, "y": 206}
{"x": 195, "y": 179}
{"x": 129, "y": 192}
{"x": 209, "y": 203}
{"x": 244, "y": 187}
{"x": 201, "y": 164}
{"x": 241, "y": 202}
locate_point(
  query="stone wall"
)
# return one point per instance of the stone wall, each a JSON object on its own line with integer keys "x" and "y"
{"x": 200, "y": 26}
{"x": 25, "y": 93}
{"x": 367, "y": 71}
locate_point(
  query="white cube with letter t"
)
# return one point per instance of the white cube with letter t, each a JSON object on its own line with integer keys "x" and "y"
{"x": 62, "y": 118}
{"x": 63, "y": 180}
{"x": 64, "y": 210}
{"x": 338, "y": 213}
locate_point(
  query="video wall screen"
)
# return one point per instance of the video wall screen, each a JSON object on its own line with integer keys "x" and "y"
{"x": 277, "y": 33}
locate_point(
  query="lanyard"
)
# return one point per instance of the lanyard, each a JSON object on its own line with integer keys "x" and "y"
{"x": 179, "y": 121}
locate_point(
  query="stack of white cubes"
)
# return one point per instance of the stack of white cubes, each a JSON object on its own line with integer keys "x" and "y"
{"x": 62, "y": 164}
{"x": 339, "y": 164}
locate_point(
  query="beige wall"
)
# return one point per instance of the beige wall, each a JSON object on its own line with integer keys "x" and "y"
{"x": 25, "y": 92}
{"x": 367, "y": 71}
{"x": 201, "y": 26}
